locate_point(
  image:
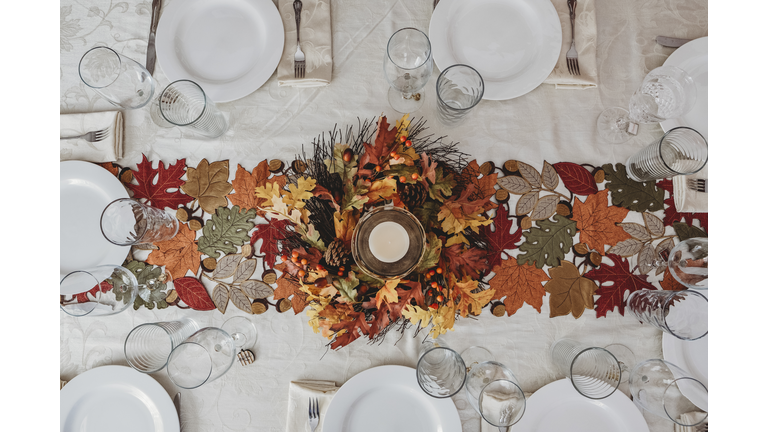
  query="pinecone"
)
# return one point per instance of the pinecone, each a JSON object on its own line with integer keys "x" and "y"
{"x": 337, "y": 253}
{"x": 413, "y": 195}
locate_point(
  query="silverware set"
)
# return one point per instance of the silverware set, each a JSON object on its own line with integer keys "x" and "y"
{"x": 314, "y": 413}
{"x": 572, "y": 56}
{"x": 698, "y": 185}
{"x": 298, "y": 58}
{"x": 92, "y": 136}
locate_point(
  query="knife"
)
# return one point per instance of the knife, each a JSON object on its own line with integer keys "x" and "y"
{"x": 671, "y": 42}
{"x": 151, "y": 56}
{"x": 177, "y": 404}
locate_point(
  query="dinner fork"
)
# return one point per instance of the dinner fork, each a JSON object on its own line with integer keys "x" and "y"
{"x": 314, "y": 414}
{"x": 572, "y": 56}
{"x": 92, "y": 136}
{"x": 298, "y": 58}
{"x": 698, "y": 185}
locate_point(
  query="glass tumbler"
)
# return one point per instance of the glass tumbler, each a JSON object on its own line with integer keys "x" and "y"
{"x": 459, "y": 89}
{"x": 683, "y": 314}
{"x": 681, "y": 151}
{"x": 440, "y": 372}
{"x": 594, "y": 372}
{"x": 493, "y": 391}
{"x": 667, "y": 391}
{"x": 689, "y": 263}
{"x": 407, "y": 67}
{"x": 100, "y": 291}
{"x": 148, "y": 346}
{"x": 126, "y": 222}
{"x": 201, "y": 358}
{"x": 183, "y": 103}
{"x": 120, "y": 80}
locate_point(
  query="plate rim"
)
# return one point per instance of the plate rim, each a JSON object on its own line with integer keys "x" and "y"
{"x": 489, "y": 95}
{"x": 562, "y": 390}
{"x": 101, "y": 376}
{"x": 232, "y": 90}
{"x": 360, "y": 380}
{"x": 111, "y": 186}
{"x": 674, "y": 59}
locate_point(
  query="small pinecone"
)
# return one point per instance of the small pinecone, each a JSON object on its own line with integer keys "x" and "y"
{"x": 413, "y": 195}
{"x": 336, "y": 254}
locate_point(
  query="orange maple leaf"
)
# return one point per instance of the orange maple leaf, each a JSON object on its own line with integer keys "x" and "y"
{"x": 596, "y": 222}
{"x": 468, "y": 299}
{"x": 519, "y": 284}
{"x": 286, "y": 287}
{"x": 178, "y": 254}
{"x": 387, "y": 293}
{"x": 245, "y": 185}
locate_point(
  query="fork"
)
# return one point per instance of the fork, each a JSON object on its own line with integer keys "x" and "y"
{"x": 298, "y": 58}
{"x": 698, "y": 185}
{"x": 314, "y": 414}
{"x": 92, "y": 136}
{"x": 572, "y": 56}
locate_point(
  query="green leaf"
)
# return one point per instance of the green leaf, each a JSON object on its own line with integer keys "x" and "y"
{"x": 427, "y": 214}
{"x": 443, "y": 186}
{"x": 365, "y": 278}
{"x": 346, "y": 170}
{"x": 147, "y": 277}
{"x": 548, "y": 242}
{"x": 225, "y": 231}
{"x": 346, "y": 288}
{"x": 685, "y": 231}
{"x": 630, "y": 194}
{"x": 354, "y": 196}
{"x": 432, "y": 254}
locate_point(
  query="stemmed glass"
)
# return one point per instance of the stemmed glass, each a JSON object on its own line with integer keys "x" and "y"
{"x": 407, "y": 66}
{"x": 689, "y": 263}
{"x": 667, "y": 92}
{"x": 99, "y": 291}
{"x": 492, "y": 389}
{"x": 668, "y": 391}
{"x": 120, "y": 80}
{"x": 201, "y": 358}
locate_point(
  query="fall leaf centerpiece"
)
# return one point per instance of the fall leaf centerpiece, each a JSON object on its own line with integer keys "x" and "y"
{"x": 330, "y": 258}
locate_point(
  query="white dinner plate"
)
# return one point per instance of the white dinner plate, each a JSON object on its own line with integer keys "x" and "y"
{"x": 559, "y": 407}
{"x": 692, "y": 58}
{"x": 513, "y": 44}
{"x": 385, "y": 399}
{"x": 229, "y": 47}
{"x": 116, "y": 399}
{"x": 86, "y": 189}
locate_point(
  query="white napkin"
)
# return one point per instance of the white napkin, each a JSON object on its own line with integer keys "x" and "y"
{"x": 109, "y": 149}
{"x": 686, "y": 200}
{"x": 487, "y": 427}
{"x": 690, "y": 418}
{"x": 316, "y": 38}
{"x": 586, "y": 44}
{"x": 299, "y": 393}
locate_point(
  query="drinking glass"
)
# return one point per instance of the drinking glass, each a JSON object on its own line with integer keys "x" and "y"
{"x": 242, "y": 330}
{"x": 407, "y": 66}
{"x": 681, "y": 151}
{"x": 594, "y": 372}
{"x": 667, "y": 92}
{"x": 148, "y": 346}
{"x": 184, "y": 103}
{"x": 440, "y": 372}
{"x": 683, "y": 314}
{"x": 492, "y": 389}
{"x": 689, "y": 263}
{"x": 201, "y": 358}
{"x": 102, "y": 290}
{"x": 120, "y": 80}
{"x": 459, "y": 89}
{"x": 126, "y": 222}
{"x": 667, "y": 391}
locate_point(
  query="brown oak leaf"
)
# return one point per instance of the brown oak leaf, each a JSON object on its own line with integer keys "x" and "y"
{"x": 178, "y": 254}
{"x": 288, "y": 287}
{"x": 569, "y": 291}
{"x": 484, "y": 186}
{"x": 596, "y": 221}
{"x": 518, "y": 284}
{"x": 245, "y": 185}
{"x": 209, "y": 184}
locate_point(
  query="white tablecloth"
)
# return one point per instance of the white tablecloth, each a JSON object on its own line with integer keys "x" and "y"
{"x": 275, "y": 122}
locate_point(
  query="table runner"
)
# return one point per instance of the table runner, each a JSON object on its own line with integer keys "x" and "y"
{"x": 274, "y": 123}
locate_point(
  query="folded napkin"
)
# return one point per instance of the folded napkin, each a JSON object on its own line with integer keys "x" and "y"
{"x": 299, "y": 393}
{"x": 686, "y": 200}
{"x": 487, "y": 427}
{"x": 316, "y": 39}
{"x": 690, "y": 418}
{"x": 109, "y": 149}
{"x": 586, "y": 44}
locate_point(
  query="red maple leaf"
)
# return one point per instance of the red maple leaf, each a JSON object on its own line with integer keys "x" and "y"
{"x": 671, "y": 214}
{"x": 576, "y": 178}
{"x": 616, "y": 283}
{"x": 161, "y": 187}
{"x": 383, "y": 144}
{"x": 470, "y": 262}
{"x": 270, "y": 234}
{"x": 192, "y": 292}
{"x": 351, "y": 326}
{"x": 500, "y": 238}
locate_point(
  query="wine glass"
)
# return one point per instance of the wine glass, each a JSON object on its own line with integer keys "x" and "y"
{"x": 492, "y": 389}
{"x": 407, "y": 66}
{"x": 689, "y": 263}
{"x": 242, "y": 330}
{"x": 668, "y": 391}
{"x": 440, "y": 372}
{"x": 120, "y": 80}
{"x": 203, "y": 357}
{"x": 99, "y": 291}
{"x": 667, "y": 92}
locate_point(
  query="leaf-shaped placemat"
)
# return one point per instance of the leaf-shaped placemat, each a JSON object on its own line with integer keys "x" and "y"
{"x": 526, "y": 203}
{"x": 240, "y": 300}
{"x": 518, "y": 284}
{"x": 636, "y": 230}
{"x": 220, "y": 297}
{"x": 245, "y": 270}
{"x": 685, "y": 231}
{"x": 549, "y": 177}
{"x": 654, "y": 224}
{"x": 570, "y": 292}
{"x": 529, "y": 173}
{"x": 647, "y": 259}
{"x": 160, "y": 187}
{"x": 630, "y": 194}
{"x": 209, "y": 183}
{"x": 225, "y": 231}
{"x": 626, "y": 248}
{"x": 545, "y": 207}
{"x": 256, "y": 289}
{"x": 616, "y": 283}
{"x": 514, "y": 184}
{"x": 226, "y": 266}
{"x": 576, "y": 178}
{"x": 548, "y": 242}
{"x": 193, "y": 293}
{"x": 501, "y": 238}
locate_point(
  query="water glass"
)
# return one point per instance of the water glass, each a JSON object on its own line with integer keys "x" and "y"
{"x": 201, "y": 358}
{"x": 99, "y": 291}
{"x": 184, "y": 103}
{"x": 126, "y": 221}
{"x": 407, "y": 67}
{"x": 440, "y": 372}
{"x": 681, "y": 151}
{"x": 667, "y": 391}
{"x": 689, "y": 263}
{"x": 459, "y": 89}
{"x": 667, "y": 92}
{"x": 120, "y": 80}
{"x": 148, "y": 346}
{"x": 683, "y": 314}
{"x": 594, "y": 372}
{"x": 493, "y": 391}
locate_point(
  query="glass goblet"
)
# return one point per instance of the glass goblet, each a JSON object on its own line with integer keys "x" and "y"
{"x": 689, "y": 263}
{"x": 99, "y": 291}
{"x": 492, "y": 389}
{"x": 120, "y": 80}
{"x": 440, "y": 372}
{"x": 407, "y": 66}
{"x": 242, "y": 330}
{"x": 201, "y": 358}
{"x": 668, "y": 391}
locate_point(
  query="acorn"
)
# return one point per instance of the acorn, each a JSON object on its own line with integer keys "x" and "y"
{"x": 209, "y": 264}
{"x": 502, "y": 196}
{"x": 276, "y": 165}
{"x": 298, "y": 166}
{"x": 172, "y": 298}
{"x": 599, "y": 174}
{"x": 246, "y": 251}
{"x": 126, "y": 175}
{"x": 259, "y": 306}
{"x": 510, "y": 167}
{"x": 564, "y": 208}
{"x": 526, "y": 223}
{"x": 195, "y": 223}
{"x": 183, "y": 214}
{"x": 595, "y": 259}
{"x": 498, "y": 309}
{"x": 269, "y": 277}
{"x": 282, "y": 305}
{"x": 347, "y": 155}
{"x": 580, "y": 249}
{"x": 487, "y": 168}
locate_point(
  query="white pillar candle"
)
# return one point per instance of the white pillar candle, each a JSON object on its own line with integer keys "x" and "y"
{"x": 389, "y": 242}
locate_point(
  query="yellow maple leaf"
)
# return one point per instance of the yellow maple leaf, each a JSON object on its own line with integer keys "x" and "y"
{"x": 468, "y": 299}
{"x": 268, "y": 191}
{"x": 402, "y": 124}
{"x": 417, "y": 315}
{"x": 387, "y": 292}
{"x": 443, "y": 320}
{"x": 381, "y": 190}
{"x": 301, "y": 191}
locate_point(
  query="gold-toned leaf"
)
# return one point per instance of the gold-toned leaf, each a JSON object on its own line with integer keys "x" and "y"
{"x": 240, "y": 300}
{"x": 220, "y": 297}
{"x": 256, "y": 289}
{"x": 529, "y": 173}
{"x": 226, "y": 266}
{"x": 654, "y": 224}
{"x": 549, "y": 177}
{"x": 626, "y": 248}
{"x": 545, "y": 207}
{"x": 526, "y": 203}
{"x": 209, "y": 184}
{"x": 636, "y": 230}
{"x": 514, "y": 184}
{"x": 245, "y": 270}
{"x": 570, "y": 292}
{"x": 646, "y": 259}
